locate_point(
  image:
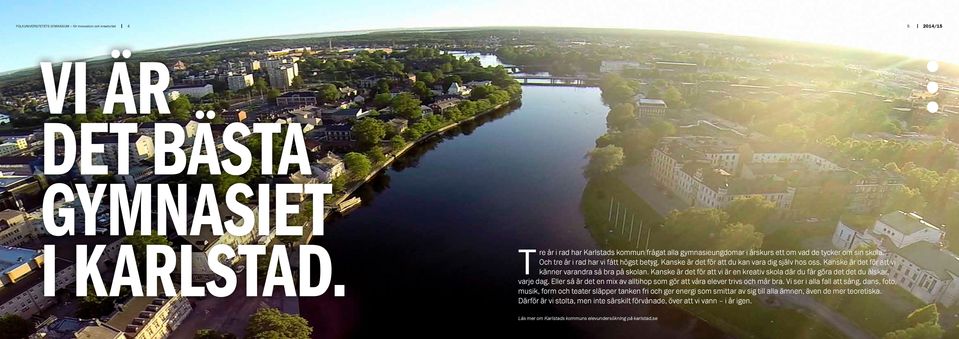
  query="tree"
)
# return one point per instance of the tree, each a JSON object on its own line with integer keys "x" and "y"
{"x": 603, "y": 161}
{"x": 750, "y": 210}
{"x": 211, "y": 334}
{"x": 382, "y": 100}
{"x": 270, "y": 323}
{"x": 406, "y": 106}
{"x": 296, "y": 82}
{"x": 739, "y": 236}
{"x": 358, "y": 165}
{"x": 928, "y": 313}
{"x": 369, "y": 131}
{"x": 422, "y": 91}
{"x": 928, "y": 330}
{"x": 674, "y": 98}
{"x": 181, "y": 109}
{"x": 272, "y": 94}
{"x": 397, "y": 142}
{"x": 140, "y": 243}
{"x": 375, "y": 154}
{"x": 694, "y": 228}
{"x": 15, "y": 327}
{"x": 904, "y": 199}
{"x": 480, "y": 92}
{"x": 621, "y": 116}
{"x": 339, "y": 184}
{"x": 327, "y": 93}
{"x": 260, "y": 85}
{"x": 382, "y": 86}
{"x": 790, "y": 133}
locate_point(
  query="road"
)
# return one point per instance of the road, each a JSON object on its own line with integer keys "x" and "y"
{"x": 230, "y": 314}
{"x": 824, "y": 314}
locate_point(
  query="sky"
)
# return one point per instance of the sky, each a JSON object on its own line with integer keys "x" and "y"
{"x": 879, "y": 25}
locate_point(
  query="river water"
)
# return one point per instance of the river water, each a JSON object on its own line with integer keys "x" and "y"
{"x": 433, "y": 250}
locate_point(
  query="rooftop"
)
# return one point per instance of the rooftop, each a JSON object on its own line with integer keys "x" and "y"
{"x": 907, "y": 223}
{"x": 11, "y": 257}
{"x": 652, "y": 102}
{"x": 930, "y": 257}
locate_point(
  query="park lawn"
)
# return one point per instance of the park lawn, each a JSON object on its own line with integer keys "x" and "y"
{"x": 746, "y": 321}
{"x": 760, "y": 321}
{"x": 878, "y": 314}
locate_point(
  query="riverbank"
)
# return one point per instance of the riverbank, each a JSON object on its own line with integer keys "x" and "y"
{"x": 393, "y": 155}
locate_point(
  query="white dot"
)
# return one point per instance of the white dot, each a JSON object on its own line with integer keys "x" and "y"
{"x": 932, "y": 107}
{"x": 932, "y": 87}
{"x": 339, "y": 290}
{"x": 115, "y": 54}
{"x": 932, "y": 66}
{"x": 210, "y": 114}
{"x": 127, "y": 53}
{"x": 199, "y": 114}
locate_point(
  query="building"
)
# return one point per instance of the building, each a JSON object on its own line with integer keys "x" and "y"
{"x": 9, "y": 148}
{"x": 193, "y": 91}
{"x": 151, "y": 317}
{"x": 203, "y": 242}
{"x": 616, "y": 66}
{"x": 253, "y": 65}
{"x": 345, "y": 114}
{"x": 913, "y": 253}
{"x": 15, "y": 229}
{"x": 899, "y": 229}
{"x": 338, "y": 132}
{"x": 233, "y": 115}
{"x": 650, "y": 108}
{"x": 239, "y": 81}
{"x": 299, "y": 98}
{"x": 676, "y": 67}
{"x": 457, "y": 89}
{"x": 329, "y": 167}
{"x": 73, "y": 328}
{"x": 140, "y": 148}
{"x": 21, "y": 281}
{"x": 281, "y": 76}
{"x": 706, "y": 171}
{"x": 397, "y": 125}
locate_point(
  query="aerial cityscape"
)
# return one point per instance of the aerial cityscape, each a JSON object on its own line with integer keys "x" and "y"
{"x": 449, "y": 149}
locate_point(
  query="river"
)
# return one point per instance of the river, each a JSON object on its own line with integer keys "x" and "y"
{"x": 433, "y": 250}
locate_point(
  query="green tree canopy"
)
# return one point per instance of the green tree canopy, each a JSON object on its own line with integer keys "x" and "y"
{"x": 327, "y": 93}
{"x": 603, "y": 161}
{"x": 621, "y": 116}
{"x": 14, "y": 327}
{"x": 270, "y": 323}
{"x": 750, "y": 210}
{"x": 358, "y": 165}
{"x": 369, "y": 131}
{"x": 739, "y": 236}
{"x": 406, "y": 106}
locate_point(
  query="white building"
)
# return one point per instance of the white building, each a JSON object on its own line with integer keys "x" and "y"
{"x": 650, "y": 108}
{"x": 900, "y": 229}
{"x": 21, "y": 281}
{"x": 140, "y": 148}
{"x": 196, "y": 92}
{"x": 281, "y": 77}
{"x": 457, "y": 89}
{"x": 239, "y": 81}
{"x": 912, "y": 248}
{"x": 615, "y": 66}
{"x": 15, "y": 229}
